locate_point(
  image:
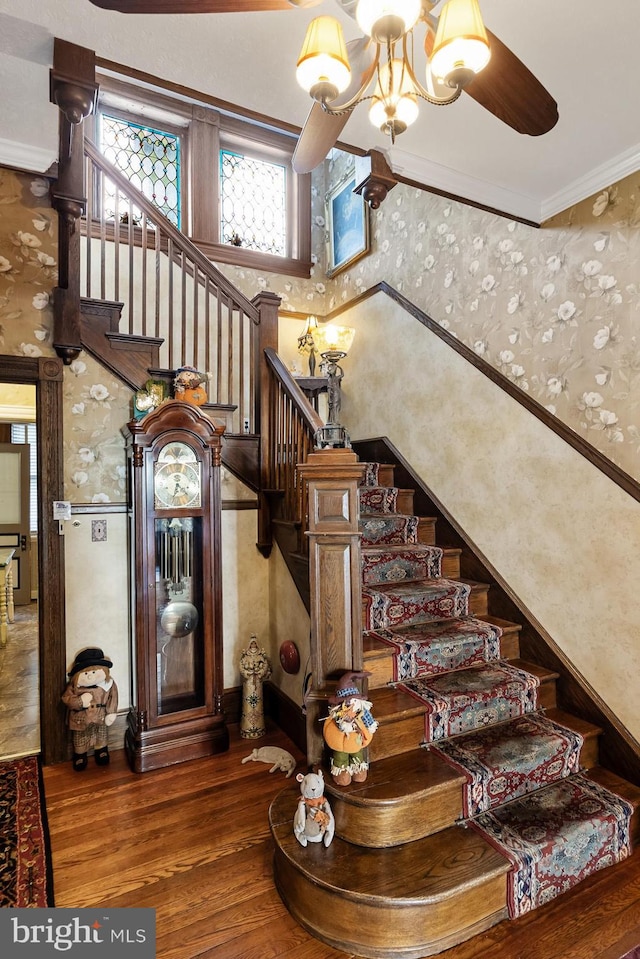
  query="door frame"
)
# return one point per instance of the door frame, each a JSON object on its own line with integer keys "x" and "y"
{"x": 46, "y": 372}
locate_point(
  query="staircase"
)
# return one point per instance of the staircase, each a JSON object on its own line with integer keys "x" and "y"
{"x": 415, "y": 866}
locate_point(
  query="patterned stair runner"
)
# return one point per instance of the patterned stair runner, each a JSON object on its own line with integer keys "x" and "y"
{"x": 431, "y": 648}
{"x": 421, "y": 601}
{"x": 467, "y": 699}
{"x": 504, "y": 762}
{"x": 523, "y": 792}
{"x": 556, "y": 837}
{"x": 396, "y": 564}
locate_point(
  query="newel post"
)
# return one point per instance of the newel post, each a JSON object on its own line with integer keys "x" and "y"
{"x": 74, "y": 90}
{"x": 335, "y": 578}
{"x": 266, "y": 335}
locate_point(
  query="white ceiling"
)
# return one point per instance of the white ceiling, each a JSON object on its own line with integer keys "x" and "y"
{"x": 584, "y": 53}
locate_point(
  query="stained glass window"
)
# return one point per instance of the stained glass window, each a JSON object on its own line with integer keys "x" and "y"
{"x": 253, "y": 203}
{"x": 150, "y": 159}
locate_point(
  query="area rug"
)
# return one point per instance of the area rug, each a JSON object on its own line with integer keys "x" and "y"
{"x": 555, "y": 838}
{"x": 25, "y": 856}
{"x": 422, "y": 602}
{"x": 398, "y": 564}
{"x": 467, "y": 699}
{"x": 431, "y": 648}
{"x": 504, "y": 762}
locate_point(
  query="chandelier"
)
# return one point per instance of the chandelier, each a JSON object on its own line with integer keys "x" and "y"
{"x": 455, "y": 46}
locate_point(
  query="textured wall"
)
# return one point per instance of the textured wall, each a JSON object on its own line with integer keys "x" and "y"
{"x": 564, "y": 537}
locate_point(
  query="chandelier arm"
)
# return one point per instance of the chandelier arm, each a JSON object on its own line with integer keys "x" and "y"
{"x": 358, "y": 96}
{"x": 419, "y": 88}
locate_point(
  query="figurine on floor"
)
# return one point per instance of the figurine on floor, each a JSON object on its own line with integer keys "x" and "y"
{"x": 91, "y": 698}
{"x": 348, "y": 730}
{"x": 279, "y": 758}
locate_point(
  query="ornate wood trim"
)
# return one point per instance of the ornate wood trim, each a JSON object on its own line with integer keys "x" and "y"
{"x": 46, "y": 374}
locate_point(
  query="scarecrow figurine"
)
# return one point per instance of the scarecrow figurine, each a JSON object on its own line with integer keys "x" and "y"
{"x": 348, "y": 730}
{"x": 91, "y": 698}
{"x": 188, "y": 386}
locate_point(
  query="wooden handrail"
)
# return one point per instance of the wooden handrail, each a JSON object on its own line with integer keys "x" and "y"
{"x": 172, "y": 292}
{"x": 293, "y": 423}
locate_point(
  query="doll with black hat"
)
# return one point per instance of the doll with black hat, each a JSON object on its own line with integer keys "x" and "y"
{"x": 91, "y": 698}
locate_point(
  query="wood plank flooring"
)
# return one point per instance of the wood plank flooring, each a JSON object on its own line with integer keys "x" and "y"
{"x": 193, "y": 842}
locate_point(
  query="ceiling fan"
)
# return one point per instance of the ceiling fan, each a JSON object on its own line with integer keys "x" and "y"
{"x": 504, "y": 85}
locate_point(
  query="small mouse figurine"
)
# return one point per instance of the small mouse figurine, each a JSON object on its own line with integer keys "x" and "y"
{"x": 313, "y": 820}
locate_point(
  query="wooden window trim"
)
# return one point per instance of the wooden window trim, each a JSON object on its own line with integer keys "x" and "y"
{"x": 203, "y": 131}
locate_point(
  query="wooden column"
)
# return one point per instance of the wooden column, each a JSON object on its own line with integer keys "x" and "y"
{"x": 335, "y": 578}
{"x": 266, "y": 336}
{"x": 74, "y": 90}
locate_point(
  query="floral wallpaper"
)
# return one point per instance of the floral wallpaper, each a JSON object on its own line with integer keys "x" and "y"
{"x": 555, "y": 309}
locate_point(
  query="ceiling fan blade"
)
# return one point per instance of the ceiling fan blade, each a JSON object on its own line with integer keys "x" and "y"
{"x": 321, "y": 129}
{"x": 194, "y": 6}
{"x": 510, "y": 91}
{"x": 319, "y": 134}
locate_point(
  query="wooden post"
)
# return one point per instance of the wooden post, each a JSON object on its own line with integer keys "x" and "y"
{"x": 74, "y": 90}
{"x": 335, "y": 578}
{"x": 266, "y": 336}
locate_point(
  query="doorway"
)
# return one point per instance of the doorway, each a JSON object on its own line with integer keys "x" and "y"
{"x": 19, "y": 644}
{"x": 46, "y": 374}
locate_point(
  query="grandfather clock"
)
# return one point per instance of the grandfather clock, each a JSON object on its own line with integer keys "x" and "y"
{"x": 174, "y": 479}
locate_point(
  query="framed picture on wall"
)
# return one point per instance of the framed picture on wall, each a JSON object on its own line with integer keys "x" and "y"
{"x": 348, "y": 225}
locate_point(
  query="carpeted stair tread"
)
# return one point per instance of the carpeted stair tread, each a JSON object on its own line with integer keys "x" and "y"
{"x": 556, "y": 837}
{"x": 394, "y": 564}
{"x": 505, "y": 761}
{"x": 429, "y": 648}
{"x": 389, "y": 529}
{"x": 419, "y": 601}
{"x": 465, "y": 699}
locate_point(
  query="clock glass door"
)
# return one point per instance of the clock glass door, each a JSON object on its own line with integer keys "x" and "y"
{"x": 179, "y": 625}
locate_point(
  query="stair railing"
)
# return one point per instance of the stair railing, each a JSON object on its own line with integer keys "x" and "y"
{"x": 171, "y": 291}
{"x": 293, "y": 423}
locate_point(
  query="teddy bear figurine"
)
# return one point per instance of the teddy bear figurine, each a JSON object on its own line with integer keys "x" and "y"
{"x": 188, "y": 386}
{"x": 313, "y": 820}
{"x": 91, "y": 698}
{"x": 348, "y": 730}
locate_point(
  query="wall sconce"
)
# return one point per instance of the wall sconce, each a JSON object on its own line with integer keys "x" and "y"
{"x": 306, "y": 343}
{"x": 333, "y": 343}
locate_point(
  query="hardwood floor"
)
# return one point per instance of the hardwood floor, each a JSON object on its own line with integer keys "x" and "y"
{"x": 193, "y": 842}
{"x": 19, "y": 695}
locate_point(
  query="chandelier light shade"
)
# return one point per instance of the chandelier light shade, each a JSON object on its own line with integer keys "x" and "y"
{"x": 323, "y": 66}
{"x": 461, "y": 47}
{"x": 387, "y": 20}
{"x": 394, "y": 101}
{"x": 330, "y": 339}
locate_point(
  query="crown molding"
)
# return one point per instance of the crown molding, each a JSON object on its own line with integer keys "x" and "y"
{"x": 467, "y": 189}
{"x": 591, "y": 183}
{"x": 26, "y": 156}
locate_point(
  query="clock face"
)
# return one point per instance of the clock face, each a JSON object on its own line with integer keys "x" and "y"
{"x": 176, "y": 480}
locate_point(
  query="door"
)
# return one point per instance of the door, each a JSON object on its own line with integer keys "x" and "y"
{"x": 14, "y": 515}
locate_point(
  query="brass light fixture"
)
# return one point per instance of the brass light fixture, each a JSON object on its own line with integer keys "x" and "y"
{"x": 333, "y": 343}
{"x": 456, "y": 49}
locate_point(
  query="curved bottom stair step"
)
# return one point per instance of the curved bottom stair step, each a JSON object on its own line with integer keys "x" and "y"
{"x": 417, "y": 793}
{"x": 409, "y": 901}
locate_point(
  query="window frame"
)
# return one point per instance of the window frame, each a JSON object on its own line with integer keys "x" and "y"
{"x": 203, "y": 132}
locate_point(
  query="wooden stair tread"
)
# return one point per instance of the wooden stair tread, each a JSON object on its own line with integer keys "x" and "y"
{"x": 418, "y": 772}
{"x": 428, "y": 870}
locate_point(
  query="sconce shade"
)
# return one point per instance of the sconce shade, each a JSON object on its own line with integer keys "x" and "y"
{"x": 461, "y": 47}
{"x": 333, "y": 339}
{"x": 394, "y": 101}
{"x": 387, "y": 20}
{"x": 323, "y": 65}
